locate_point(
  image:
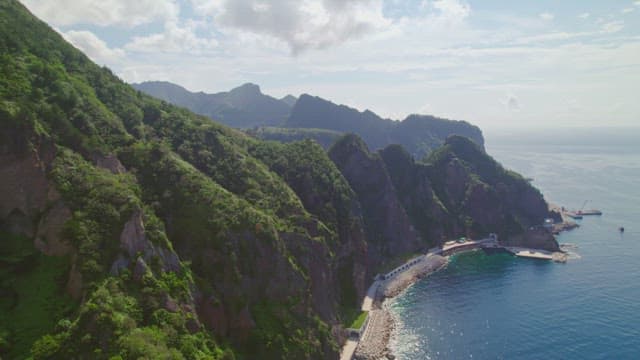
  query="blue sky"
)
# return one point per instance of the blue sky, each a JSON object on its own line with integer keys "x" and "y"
{"x": 493, "y": 63}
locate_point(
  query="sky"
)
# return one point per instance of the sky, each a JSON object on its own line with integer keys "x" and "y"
{"x": 493, "y": 63}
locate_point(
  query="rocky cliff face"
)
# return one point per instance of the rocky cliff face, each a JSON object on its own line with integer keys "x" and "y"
{"x": 483, "y": 196}
{"x": 458, "y": 191}
{"x": 415, "y": 191}
{"x": 388, "y": 228}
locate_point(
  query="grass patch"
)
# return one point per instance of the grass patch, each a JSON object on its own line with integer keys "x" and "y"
{"x": 33, "y": 297}
{"x": 357, "y": 323}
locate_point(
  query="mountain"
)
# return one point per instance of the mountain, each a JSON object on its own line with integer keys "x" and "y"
{"x": 242, "y": 107}
{"x": 419, "y": 134}
{"x": 311, "y": 117}
{"x": 132, "y": 228}
{"x": 460, "y": 190}
{"x": 289, "y": 100}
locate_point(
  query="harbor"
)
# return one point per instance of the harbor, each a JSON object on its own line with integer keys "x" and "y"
{"x": 369, "y": 342}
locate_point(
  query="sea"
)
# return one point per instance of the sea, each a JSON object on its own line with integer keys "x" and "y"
{"x": 502, "y": 307}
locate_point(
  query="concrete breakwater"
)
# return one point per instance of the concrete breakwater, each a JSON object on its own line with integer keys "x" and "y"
{"x": 374, "y": 339}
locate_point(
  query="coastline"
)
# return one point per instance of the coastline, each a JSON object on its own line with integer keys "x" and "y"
{"x": 374, "y": 341}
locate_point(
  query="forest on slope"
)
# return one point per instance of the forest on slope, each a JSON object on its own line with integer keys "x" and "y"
{"x": 130, "y": 227}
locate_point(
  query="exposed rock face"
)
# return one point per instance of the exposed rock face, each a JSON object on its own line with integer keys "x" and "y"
{"x": 389, "y": 231}
{"x": 415, "y": 191}
{"x": 48, "y": 237}
{"x": 461, "y": 191}
{"x": 535, "y": 238}
{"x": 24, "y": 188}
{"x": 111, "y": 163}
{"x": 325, "y": 193}
{"x": 31, "y": 205}
{"x": 134, "y": 242}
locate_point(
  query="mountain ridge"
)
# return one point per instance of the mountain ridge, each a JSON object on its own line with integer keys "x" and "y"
{"x": 242, "y": 107}
{"x": 419, "y": 134}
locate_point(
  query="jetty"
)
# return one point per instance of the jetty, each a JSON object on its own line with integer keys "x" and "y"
{"x": 578, "y": 214}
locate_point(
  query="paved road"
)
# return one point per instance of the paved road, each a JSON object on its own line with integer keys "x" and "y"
{"x": 348, "y": 349}
{"x": 367, "y": 303}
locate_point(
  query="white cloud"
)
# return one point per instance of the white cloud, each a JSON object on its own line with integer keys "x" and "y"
{"x": 546, "y": 16}
{"x": 612, "y": 27}
{"x": 452, "y": 9}
{"x": 584, "y": 15}
{"x": 126, "y": 13}
{"x": 637, "y": 3}
{"x": 93, "y": 47}
{"x": 302, "y": 25}
{"x": 628, "y": 10}
{"x": 174, "y": 39}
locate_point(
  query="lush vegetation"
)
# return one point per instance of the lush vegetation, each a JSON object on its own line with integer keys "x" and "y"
{"x": 31, "y": 301}
{"x": 220, "y": 223}
{"x": 322, "y": 136}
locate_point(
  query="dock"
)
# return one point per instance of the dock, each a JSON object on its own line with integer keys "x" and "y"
{"x": 530, "y": 253}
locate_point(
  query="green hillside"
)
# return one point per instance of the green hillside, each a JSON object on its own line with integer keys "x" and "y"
{"x": 179, "y": 242}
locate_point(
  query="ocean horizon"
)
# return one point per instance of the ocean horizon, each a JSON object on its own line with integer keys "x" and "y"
{"x": 488, "y": 307}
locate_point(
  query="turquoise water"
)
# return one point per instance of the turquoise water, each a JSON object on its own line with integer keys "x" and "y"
{"x": 500, "y": 307}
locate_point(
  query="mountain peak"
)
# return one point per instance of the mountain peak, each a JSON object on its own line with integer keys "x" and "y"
{"x": 289, "y": 100}
{"x": 248, "y": 89}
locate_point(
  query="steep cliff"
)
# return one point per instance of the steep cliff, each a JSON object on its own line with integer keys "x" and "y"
{"x": 388, "y": 228}
{"x": 484, "y": 197}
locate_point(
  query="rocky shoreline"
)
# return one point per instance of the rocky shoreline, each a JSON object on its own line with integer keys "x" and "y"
{"x": 374, "y": 341}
